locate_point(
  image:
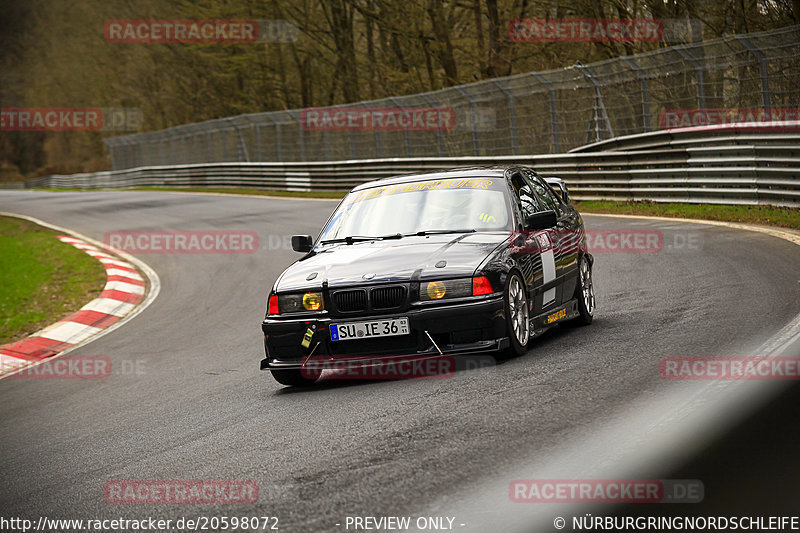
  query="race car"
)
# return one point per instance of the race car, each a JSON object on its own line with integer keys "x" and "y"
{"x": 463, "y": 261}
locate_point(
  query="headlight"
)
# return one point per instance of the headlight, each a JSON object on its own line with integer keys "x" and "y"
{"x": 312, "y": 301}
{"x": 450, "y": 288}
{"x": 435, "y": 290}
{"x": 298, "y": 303}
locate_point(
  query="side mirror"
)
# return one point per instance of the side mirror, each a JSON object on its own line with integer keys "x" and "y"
{"x": 558, "y": 183}
{"x": 541, "y": 220}
{"x": 302, "y": 243}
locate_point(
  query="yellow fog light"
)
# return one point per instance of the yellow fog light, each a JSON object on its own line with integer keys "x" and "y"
{"x": 312, "y": 301}
{"x": 436, "y": 290}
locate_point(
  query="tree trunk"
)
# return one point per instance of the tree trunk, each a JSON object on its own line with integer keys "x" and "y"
{"x": 444, "y": 46}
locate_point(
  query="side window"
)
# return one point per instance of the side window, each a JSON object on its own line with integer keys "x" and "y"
{"x": 527, "y": 199}
{"x": 546, "y": 196}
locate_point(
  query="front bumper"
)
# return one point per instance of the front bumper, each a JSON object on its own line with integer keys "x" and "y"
{"x": 461, "y": 327}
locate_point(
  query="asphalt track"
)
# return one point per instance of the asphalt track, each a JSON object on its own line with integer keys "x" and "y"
{"x": 201, "y": 409}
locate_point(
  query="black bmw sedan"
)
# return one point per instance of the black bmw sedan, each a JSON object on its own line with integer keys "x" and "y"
{"x": 457, "y": 262}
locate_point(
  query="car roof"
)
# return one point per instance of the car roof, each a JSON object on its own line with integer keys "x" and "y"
{"x": 465, "y": 172}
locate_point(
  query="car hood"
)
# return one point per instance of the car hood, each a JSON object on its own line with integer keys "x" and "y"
{"x": 391, "y": 260}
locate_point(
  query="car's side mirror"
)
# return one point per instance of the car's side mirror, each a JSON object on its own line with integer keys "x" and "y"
{"x": 302, "y": 243}
{"x": 541, "y": 220}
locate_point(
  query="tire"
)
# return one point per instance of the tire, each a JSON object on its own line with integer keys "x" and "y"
{"x": 584, "y": 293}
{"x": 517, "y": 315}
{"x": 294, "y": 378}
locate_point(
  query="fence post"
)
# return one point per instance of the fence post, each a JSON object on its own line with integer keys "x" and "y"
{"x": 476, "y": 146}
{"x": 393, "y": 100}
{"x": 111, "y": 154}
{"x": 645, "y": 94}
{"x": 699, "y": 75}
{"x": 278, "y": 141}
{"x": 162, "y": 156}
{"x": 185, "y": 148}
{"x": 439, "y": 139}
{"x": 259, "y": 155}
{"x": 763, "y": 67}
{"x": 242, "y": 147}
{"x": 351, "y": 143}
{"x": 378, "y": 143}
{"x": 512, "y": 116}
{"x": 300, "y": 134}
{"x": 599, "y": 107}
{"x": 553, "y": 114}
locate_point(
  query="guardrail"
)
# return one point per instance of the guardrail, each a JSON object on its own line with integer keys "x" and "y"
{"x": 691, "y": 167}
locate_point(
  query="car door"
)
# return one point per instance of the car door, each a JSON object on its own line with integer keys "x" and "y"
{"x": 565, "y": 236}
{"x": 537, "y": 257}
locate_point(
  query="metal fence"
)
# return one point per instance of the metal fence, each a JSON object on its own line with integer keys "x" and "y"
{"x": 533, "y": 113}
{"x": 737, "y": 164}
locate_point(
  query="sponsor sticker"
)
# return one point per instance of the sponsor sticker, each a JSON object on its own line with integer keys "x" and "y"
{"x": 470, "y": 183}
{"x": 556, "y": 316}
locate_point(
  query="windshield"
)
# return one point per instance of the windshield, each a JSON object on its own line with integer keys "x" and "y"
{"x": 408, "y": 208}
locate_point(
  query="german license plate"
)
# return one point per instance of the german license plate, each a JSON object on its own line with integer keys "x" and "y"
{"x": 388, "y": 327}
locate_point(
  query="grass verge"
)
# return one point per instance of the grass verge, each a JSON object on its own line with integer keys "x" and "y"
{"x": 786, "y": 217}
{"x": 43, "y": 278}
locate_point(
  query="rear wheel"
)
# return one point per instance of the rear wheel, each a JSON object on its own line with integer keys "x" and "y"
{"x": 517, "y": 316}
{"x": 295, "y": 378}
{"x": 584, "y": 293}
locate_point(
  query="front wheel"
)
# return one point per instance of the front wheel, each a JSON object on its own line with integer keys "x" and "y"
{"x": 295, "y": 378}
{"x": 584, "y": 293}
{"x": 517, "y": 319}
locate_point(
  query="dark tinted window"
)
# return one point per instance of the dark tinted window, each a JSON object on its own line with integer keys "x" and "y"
{"x": 545, "y": 194}
{"x": 527, "y": 199}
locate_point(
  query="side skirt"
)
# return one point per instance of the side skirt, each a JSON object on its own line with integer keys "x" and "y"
{"x": 541, "y": 323}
